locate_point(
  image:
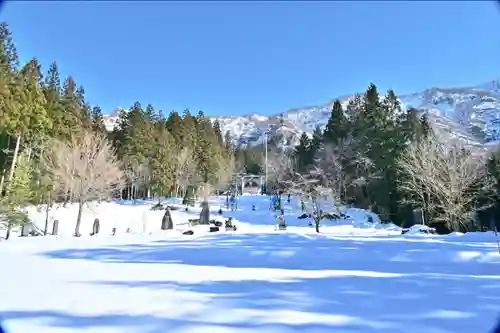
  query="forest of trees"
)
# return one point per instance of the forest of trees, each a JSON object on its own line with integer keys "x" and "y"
{"x": 374, "y": 156}
{"x": 55, "y": 147}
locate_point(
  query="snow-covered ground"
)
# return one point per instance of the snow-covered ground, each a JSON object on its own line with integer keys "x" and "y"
{"x": 354, "y": 277}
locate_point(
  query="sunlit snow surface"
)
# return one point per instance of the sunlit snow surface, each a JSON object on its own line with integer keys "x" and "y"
{"x": 354, "y": 277}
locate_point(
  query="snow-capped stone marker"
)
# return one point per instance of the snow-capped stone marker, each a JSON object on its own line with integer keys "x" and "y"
{"x": 95, "y": 227}
{"x": 55, "y": 228}
{"x": 166, "y": 222}
{"x": 204, "y": 214}
{"x": 281, "y": 221}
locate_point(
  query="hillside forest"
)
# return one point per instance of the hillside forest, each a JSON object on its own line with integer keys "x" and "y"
{"x": 371, "y": 155}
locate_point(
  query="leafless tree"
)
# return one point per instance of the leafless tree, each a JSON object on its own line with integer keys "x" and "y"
{"x": 138, "y": 175}
{"x": 225, "y": 172}
{"x": 349, "y": 166}
{"x": 416, "y": 173}
{"x": 281, "y": 169}
{"x": 330, "y": 172}
{"x": 309, "y": 188}
{"x": 88, "y": 166}
{"x": 184, "y": 170}
{"x": 447, "y": 179}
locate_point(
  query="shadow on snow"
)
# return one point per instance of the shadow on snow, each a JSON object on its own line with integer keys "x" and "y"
{"x": 427, "y": 293}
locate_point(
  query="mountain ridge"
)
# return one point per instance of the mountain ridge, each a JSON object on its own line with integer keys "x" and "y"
{"x": 471, "y": 113}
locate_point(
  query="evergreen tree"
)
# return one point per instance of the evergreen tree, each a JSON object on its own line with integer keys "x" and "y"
{"x": 18, "y": 194}
{"x": 71, "y": 109}
{"x": 302, "y": 153}
{"x": 175, "y": 126}
{"x": 218, "y": 132}
{"x": 97, "y": 120}
{"x": 150, "y": 113}
{"x": 8, "y": 52}
{"x": 53, "y": 79}
{"x": 425, "y": 125}
{"x": 54, "y": 107}
{"x": 336, "y": 127}
{"x": 207, "y": 149}
{"x": 162, "y": 163}
{"x": 228, "y": 141}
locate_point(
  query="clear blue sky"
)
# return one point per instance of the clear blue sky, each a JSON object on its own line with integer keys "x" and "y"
{"x": 257, "y": 57}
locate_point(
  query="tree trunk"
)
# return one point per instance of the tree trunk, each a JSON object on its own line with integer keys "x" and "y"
{"x": 176, "y": 190}
{"x": 14, "y": 159}
{"x": 2, "y": 180}
{"x": 205, "y": 213}
{"x": 9, "y": 228}
{"x": 47, "y": 210}
{"x": 29, "y": 153}
{"x": 4, "y": 165}
{"x": 79, "y": 219}
{"x": 66, "y": 196}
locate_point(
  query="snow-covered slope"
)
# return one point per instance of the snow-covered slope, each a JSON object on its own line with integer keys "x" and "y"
{"x": 471, "y": 113}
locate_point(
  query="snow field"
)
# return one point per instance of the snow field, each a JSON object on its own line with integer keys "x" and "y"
{"x": 354, "y": 277}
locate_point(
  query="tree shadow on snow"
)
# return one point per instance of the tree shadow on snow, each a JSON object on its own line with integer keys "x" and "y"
{"x": 350, "y": 304}
{"x": 434, "y": 289}
{"x": 292, "y": 251}
{"x": 313, "y": 305}
{"x": 156, "y": 324}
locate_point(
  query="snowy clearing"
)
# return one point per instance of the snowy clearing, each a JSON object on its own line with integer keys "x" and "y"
{"x": 355, "y": 277}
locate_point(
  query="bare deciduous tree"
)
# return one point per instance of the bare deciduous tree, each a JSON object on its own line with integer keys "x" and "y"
{"x": 309, "y": 188}
{"x": 281, "y": 169}
{"x": 330, "y": 172}
{"x": 138, "y": 175}
{"x": 347, "y": 162}
{"x": 225, "y": 172}
{"x": 447, "y": 179}
{"x": 185, "y": 169}
{"x": 88, "y": 166}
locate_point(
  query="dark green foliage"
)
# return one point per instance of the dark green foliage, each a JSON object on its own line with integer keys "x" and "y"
{"x": 366, "y": 137}
{"x": 302, "y": 153}
{"x": 35, "y": 109}
{"x": 336, "y": 129}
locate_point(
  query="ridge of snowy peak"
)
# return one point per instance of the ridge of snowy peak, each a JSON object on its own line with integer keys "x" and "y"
{"x": 477, "y": 108}
{"x": 110, "y": 120}
{"x": 470, "y": 113}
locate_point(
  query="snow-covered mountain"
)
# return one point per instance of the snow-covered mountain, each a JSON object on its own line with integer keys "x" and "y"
{"x": 471, "y": 113}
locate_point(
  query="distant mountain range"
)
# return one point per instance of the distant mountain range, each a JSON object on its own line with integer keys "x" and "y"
{"x": 469, "y": 113}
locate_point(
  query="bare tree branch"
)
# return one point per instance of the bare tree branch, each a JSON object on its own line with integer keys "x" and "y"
{"x": 225, "y": 171}
{"x": 86, "y": 165}
{"x": 447, "y": 179}
{"x": 281, "y": 168}
{"x": 185, "y": 169}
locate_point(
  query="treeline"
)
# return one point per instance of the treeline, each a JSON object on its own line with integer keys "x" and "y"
{"x": 370, "y": 154}
{"x": 40, "y": 110}
{"x": 374, "y": 156}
